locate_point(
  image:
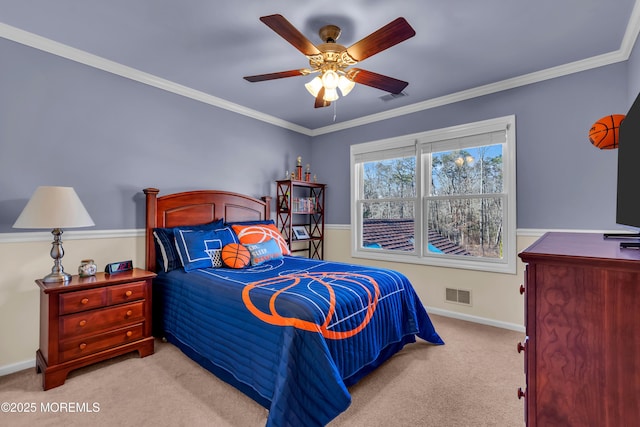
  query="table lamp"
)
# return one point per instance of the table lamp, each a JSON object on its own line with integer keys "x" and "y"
{"x": 54, "y": 208}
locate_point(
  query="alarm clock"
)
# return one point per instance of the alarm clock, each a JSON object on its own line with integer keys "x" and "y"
{"x": 118, "y": 267}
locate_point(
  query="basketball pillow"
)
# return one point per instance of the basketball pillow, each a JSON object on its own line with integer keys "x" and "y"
{"x": 258, "y": 233}
{"x": 604, "y": 133}
{"x": 235, "y": 255}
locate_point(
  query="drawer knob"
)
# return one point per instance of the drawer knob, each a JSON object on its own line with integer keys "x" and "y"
{"x": 129, "y": 313}
{"x": 82, "y": 323}
{"x": 521, "y": 393}
{"x": 129, "y": 333}
{"x": 521, "y": 289}
{"x": 128, "y": 294}
{"x": 521, "y": 347}
{"x": 82, "y": 346}
{"x": 84, "y": 300}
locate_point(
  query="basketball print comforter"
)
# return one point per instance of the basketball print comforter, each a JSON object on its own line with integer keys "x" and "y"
{"x": 291, "y": 333}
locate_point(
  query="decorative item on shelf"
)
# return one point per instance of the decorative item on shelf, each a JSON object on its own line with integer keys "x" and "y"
{"x": 54, "y": 208}
{"x": 304, "y": 205}
{"x": 299, "y": 169}
{"x": 87, "y": 268}
{"x": 315, "y": 178}
{"x": 307, "y": 174}
{"x": 300, "y": 232}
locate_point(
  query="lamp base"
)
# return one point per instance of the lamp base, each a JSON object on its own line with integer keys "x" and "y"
{"x": 57, "y": 252}
{"x": 57, "y": 277}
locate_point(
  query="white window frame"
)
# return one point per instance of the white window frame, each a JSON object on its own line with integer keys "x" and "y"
{"x": 421, "y": 143}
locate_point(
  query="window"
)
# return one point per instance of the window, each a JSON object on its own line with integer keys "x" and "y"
{"x": 443, "y": 197}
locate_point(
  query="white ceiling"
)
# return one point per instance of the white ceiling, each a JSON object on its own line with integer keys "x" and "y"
{"x": 203, "y": 48}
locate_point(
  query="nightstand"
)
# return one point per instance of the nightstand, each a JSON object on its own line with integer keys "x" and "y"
{"x": 91, "y": 319}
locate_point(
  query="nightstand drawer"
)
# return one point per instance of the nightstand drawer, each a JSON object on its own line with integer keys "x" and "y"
{"x": 125, "y": 293}
{"x": 73, "y": 302}
{"x": 72, "y": 349}
{"x": 98, "y": 320}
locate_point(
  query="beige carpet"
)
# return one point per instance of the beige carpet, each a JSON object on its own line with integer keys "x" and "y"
{"x": 470, "y": 381}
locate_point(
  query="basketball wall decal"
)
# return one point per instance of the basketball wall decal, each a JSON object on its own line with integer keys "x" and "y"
{"x": 604, "y": 133}
{"x": 236, "y": 255}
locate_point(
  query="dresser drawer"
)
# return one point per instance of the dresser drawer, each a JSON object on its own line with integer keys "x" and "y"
{"x": 125, "y": 293}
{"x": 73, "y": 302}
{"x": 96, "y": 321}
{"x": 75, "y": 348}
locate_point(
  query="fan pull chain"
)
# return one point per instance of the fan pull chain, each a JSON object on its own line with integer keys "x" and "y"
{"x": 335, "y": 107}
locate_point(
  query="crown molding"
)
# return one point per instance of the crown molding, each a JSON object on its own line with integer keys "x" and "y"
{"x": 631, "y": 33}
{"x": 488, "y": 89}
{"x": 47, "y": 45}
{"x": 64, "y": 51}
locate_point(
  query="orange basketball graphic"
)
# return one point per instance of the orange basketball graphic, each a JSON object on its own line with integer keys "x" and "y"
{"x": 330, "y": 327}
{"x": 604, "y": 133}
{"x": 259, "y": 233}
{"x": 235, "y": 255}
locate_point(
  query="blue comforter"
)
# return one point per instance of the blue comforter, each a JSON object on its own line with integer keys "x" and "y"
{"x": 292, "y": 333}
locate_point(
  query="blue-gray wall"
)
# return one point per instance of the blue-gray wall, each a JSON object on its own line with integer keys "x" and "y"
{"x": 63, "y": 123}
{"x": 563, "y": 182}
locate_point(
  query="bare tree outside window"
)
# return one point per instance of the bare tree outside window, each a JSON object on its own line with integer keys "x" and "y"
{"x": 465, "y": 203}
{"x": 388, "y": 210}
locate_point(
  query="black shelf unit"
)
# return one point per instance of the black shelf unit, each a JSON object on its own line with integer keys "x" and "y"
{"x": 301, "y": 204}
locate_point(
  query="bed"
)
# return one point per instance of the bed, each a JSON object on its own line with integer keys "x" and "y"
{"x": 291, "y": 333}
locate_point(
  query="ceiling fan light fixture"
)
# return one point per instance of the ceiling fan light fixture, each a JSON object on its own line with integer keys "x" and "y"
{"x": 332, "y": 60}
{"x": 314, "y": 86}
{"x": 330, "y": 94}
{"x": 330, "y": 79}
{"x": 345, "y": 85}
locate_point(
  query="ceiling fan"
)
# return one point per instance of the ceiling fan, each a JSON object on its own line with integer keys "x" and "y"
{"x": 333, "y": 60}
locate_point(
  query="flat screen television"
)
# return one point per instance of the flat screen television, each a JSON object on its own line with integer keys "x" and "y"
{"x": 628, "y": 189}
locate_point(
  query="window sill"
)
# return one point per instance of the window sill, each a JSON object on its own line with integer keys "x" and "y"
{"x": 490, "y": 266}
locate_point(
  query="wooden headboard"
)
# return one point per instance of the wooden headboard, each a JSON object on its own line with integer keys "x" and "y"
{"x": 197, "y": 207}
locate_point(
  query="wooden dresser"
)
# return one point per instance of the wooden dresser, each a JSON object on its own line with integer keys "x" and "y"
{"x": 91, "y": 319}
{"x": 582, "y": 314}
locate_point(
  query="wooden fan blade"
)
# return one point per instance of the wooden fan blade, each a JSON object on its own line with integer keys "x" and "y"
{"x": 288, "y": 32}
{"x": 391, "y": 34}
{"x": 376, "y": 80}
{"x": 320, "y": 102}
{"x": 273, "y": 76}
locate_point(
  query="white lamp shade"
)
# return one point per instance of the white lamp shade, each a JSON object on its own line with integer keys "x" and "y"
{"x": 345, "y": 85}
{"x": 314, "y": 86}
{"x": 54, "y": 207}
{"x": 330, "y": 79}
{"x": 330, "y": 94}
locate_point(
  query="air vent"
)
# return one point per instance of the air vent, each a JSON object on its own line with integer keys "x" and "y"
{"x": 392, "y": 96}
{"x": 458, "y": 296}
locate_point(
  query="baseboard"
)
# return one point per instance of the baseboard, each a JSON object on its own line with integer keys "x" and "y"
{"x": 16, "y": 367}
{"x": 476, "y": 319}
